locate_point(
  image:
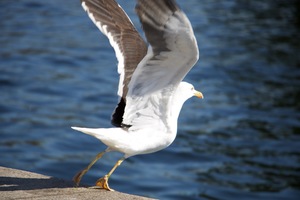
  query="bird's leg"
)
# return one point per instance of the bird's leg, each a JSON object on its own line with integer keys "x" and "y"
{"x": 79, "y": 175}
{"x": 103, "y": 182}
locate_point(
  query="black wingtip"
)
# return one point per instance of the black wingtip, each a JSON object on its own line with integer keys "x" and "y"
{"x": 160, "y": 4}
{"x": 117, "y": 116}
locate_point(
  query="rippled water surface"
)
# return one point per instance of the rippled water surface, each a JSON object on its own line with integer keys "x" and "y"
{"x": 241, "y": 142}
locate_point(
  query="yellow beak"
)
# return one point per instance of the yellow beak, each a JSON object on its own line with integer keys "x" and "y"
{"x": 198, "y": 94}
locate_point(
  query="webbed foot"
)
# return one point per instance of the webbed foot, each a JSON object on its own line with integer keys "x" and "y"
{"x": 103, "y": 183}
{"x": 77, "y": 177}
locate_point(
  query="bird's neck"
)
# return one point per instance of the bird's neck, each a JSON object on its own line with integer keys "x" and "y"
{"x": 176, "y": 104}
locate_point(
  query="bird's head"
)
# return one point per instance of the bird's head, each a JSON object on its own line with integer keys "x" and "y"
{"x": 187, "y": 91}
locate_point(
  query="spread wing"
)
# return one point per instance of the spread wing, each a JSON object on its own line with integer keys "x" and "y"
{"x": 129, "y": 47}
{"x": 172, "y": 53}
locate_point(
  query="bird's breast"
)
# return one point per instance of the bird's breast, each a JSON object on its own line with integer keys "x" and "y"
{"x": 148, "y": 141}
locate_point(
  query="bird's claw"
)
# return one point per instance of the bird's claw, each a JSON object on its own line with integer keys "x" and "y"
{"x": 77, "y": 178}
{"x": 103, "y": 183}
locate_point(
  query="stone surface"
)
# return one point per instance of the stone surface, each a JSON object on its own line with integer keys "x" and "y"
{"x": 19, "y": 184}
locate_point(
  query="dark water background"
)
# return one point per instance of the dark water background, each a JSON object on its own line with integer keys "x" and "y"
{"x": 241, "y": 142}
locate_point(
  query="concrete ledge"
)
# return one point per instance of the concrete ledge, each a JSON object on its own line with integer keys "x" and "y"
{"x": 18, "y": 184}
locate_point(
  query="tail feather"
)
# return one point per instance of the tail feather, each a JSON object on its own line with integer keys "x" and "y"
{"x": 90, "y": 131}
{"x": 115, "y": 138}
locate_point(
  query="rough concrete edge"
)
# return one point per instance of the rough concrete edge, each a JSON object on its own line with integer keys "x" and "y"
{"x": 17, "y": 184}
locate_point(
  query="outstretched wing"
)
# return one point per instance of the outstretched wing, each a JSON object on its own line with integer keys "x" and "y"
{"x": 172, "y": 53}
{"x": 129, "y": 47}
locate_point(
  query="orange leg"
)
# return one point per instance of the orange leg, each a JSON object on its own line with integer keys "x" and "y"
{"x": 103, "y": 182}
{"x": 79, "y": 175}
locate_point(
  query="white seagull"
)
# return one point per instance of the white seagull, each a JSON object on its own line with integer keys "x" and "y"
{"x": 150, "y": 88}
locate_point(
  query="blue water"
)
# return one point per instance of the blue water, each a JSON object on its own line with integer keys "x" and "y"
{"x": 241, "y": 142}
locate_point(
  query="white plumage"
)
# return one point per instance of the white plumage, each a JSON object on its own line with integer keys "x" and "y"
{"x": 151, "y": 89}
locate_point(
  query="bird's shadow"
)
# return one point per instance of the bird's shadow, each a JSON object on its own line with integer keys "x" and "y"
{"x": 15, "y": 183}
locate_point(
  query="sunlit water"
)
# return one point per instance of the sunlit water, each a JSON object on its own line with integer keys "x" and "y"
{"x": 240, "y": 142}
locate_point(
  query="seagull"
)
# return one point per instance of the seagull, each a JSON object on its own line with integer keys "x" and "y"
{"x": 151, "y": 91}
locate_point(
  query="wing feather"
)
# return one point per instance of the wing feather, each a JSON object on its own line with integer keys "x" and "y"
{"x": 129, "y": 46}
{"x": 173, "y": 51}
